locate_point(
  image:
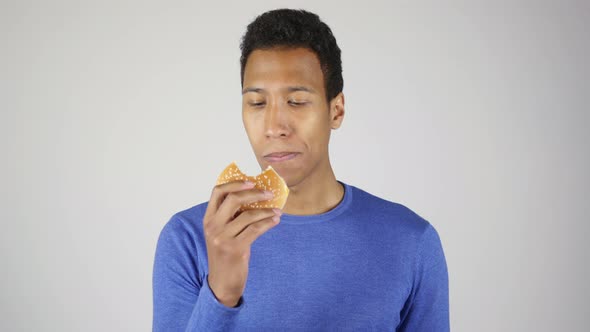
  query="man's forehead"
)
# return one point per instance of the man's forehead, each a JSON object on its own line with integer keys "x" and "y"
{"x": 284, "y": 51}
{"x": 295, "y": 69}
{"x": 299, "y": 59}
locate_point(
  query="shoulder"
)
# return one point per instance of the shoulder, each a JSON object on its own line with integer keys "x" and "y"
{"x": 185, "y": 223}
{"x": 397, "y": 221}
{"x": 390, "y": 213}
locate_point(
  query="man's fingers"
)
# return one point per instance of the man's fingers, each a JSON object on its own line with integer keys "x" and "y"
{"x": 221, "y": 191}
{"x": 254, "y": 230}
{"x": 249, "y": 217}
{"x": 232, "y": 202}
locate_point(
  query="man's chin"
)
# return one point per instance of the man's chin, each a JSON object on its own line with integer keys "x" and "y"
{"x": 289, "y": 177}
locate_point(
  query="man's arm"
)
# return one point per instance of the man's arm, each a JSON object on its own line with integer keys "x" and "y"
{"x": 181, "y": 301}
{"x": 184, "y": 302}
{"x": 427, "y": 307}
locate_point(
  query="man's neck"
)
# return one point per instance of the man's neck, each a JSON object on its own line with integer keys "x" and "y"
{"x": 316, "y": 194}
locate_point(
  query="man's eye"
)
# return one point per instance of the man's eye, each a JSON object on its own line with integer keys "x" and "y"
{"x": 297, "y": 103}
{"x": 256, "y": 104}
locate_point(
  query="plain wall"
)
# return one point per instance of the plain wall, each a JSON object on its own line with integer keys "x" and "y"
{"x": 117, "y": 114}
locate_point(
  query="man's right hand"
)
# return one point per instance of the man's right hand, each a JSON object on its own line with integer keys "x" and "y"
{"x": 230, "y": 235}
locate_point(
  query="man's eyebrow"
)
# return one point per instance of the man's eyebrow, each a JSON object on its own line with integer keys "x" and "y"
{"x": 300, "y": 88}
{"x": 257, "y": 90}
{"x": 290, "y": 89}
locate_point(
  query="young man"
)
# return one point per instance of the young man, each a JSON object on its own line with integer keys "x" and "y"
{"x": 336, "y": 258}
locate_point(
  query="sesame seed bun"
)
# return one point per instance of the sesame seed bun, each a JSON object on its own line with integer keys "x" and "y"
{"x": 268, "y": 180}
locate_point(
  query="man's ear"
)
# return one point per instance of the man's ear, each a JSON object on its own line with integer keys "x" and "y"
{"x": 337, "y": 111}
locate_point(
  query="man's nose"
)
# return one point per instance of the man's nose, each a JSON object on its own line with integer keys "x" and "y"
{"x": 276, "y": 121}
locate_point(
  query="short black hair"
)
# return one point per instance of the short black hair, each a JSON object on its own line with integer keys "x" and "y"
{"x": 293, "y": 28}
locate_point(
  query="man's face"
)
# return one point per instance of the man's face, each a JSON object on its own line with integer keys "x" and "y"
{"x": 284, "y": 110}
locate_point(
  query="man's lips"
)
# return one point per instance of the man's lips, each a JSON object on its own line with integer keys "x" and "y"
{"x": 280, "y": 156}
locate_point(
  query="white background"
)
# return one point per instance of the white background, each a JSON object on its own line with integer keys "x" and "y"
{"x": 117, "y": 114}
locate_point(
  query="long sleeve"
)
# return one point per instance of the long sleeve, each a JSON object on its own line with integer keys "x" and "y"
{"x": 182, "y": 299}
{"x": 427, "y": 308}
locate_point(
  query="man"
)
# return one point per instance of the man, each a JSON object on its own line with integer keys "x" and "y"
{"x": 336, "y": 258}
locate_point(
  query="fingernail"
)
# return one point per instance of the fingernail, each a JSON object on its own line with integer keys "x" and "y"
{"x": 278, "y": 212}
{"x": 248, "y": 184}
{"x": 276, "y": 218}
{"x": 268, "y": 194}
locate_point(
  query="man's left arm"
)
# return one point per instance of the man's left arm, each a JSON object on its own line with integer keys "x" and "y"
{"x": 427, "y": 307}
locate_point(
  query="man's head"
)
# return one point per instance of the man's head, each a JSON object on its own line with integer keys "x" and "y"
{"x": 292, "y": 92}
{"x": 289, "y": 28}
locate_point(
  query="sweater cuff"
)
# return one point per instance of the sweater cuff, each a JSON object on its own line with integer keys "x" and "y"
{"x": 211, "y": 315}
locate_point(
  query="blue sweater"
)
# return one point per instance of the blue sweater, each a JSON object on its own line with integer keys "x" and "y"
{"x": 366, "y": 265}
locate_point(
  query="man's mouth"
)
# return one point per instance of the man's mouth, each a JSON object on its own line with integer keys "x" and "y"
{"x": 280, "y": 156}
